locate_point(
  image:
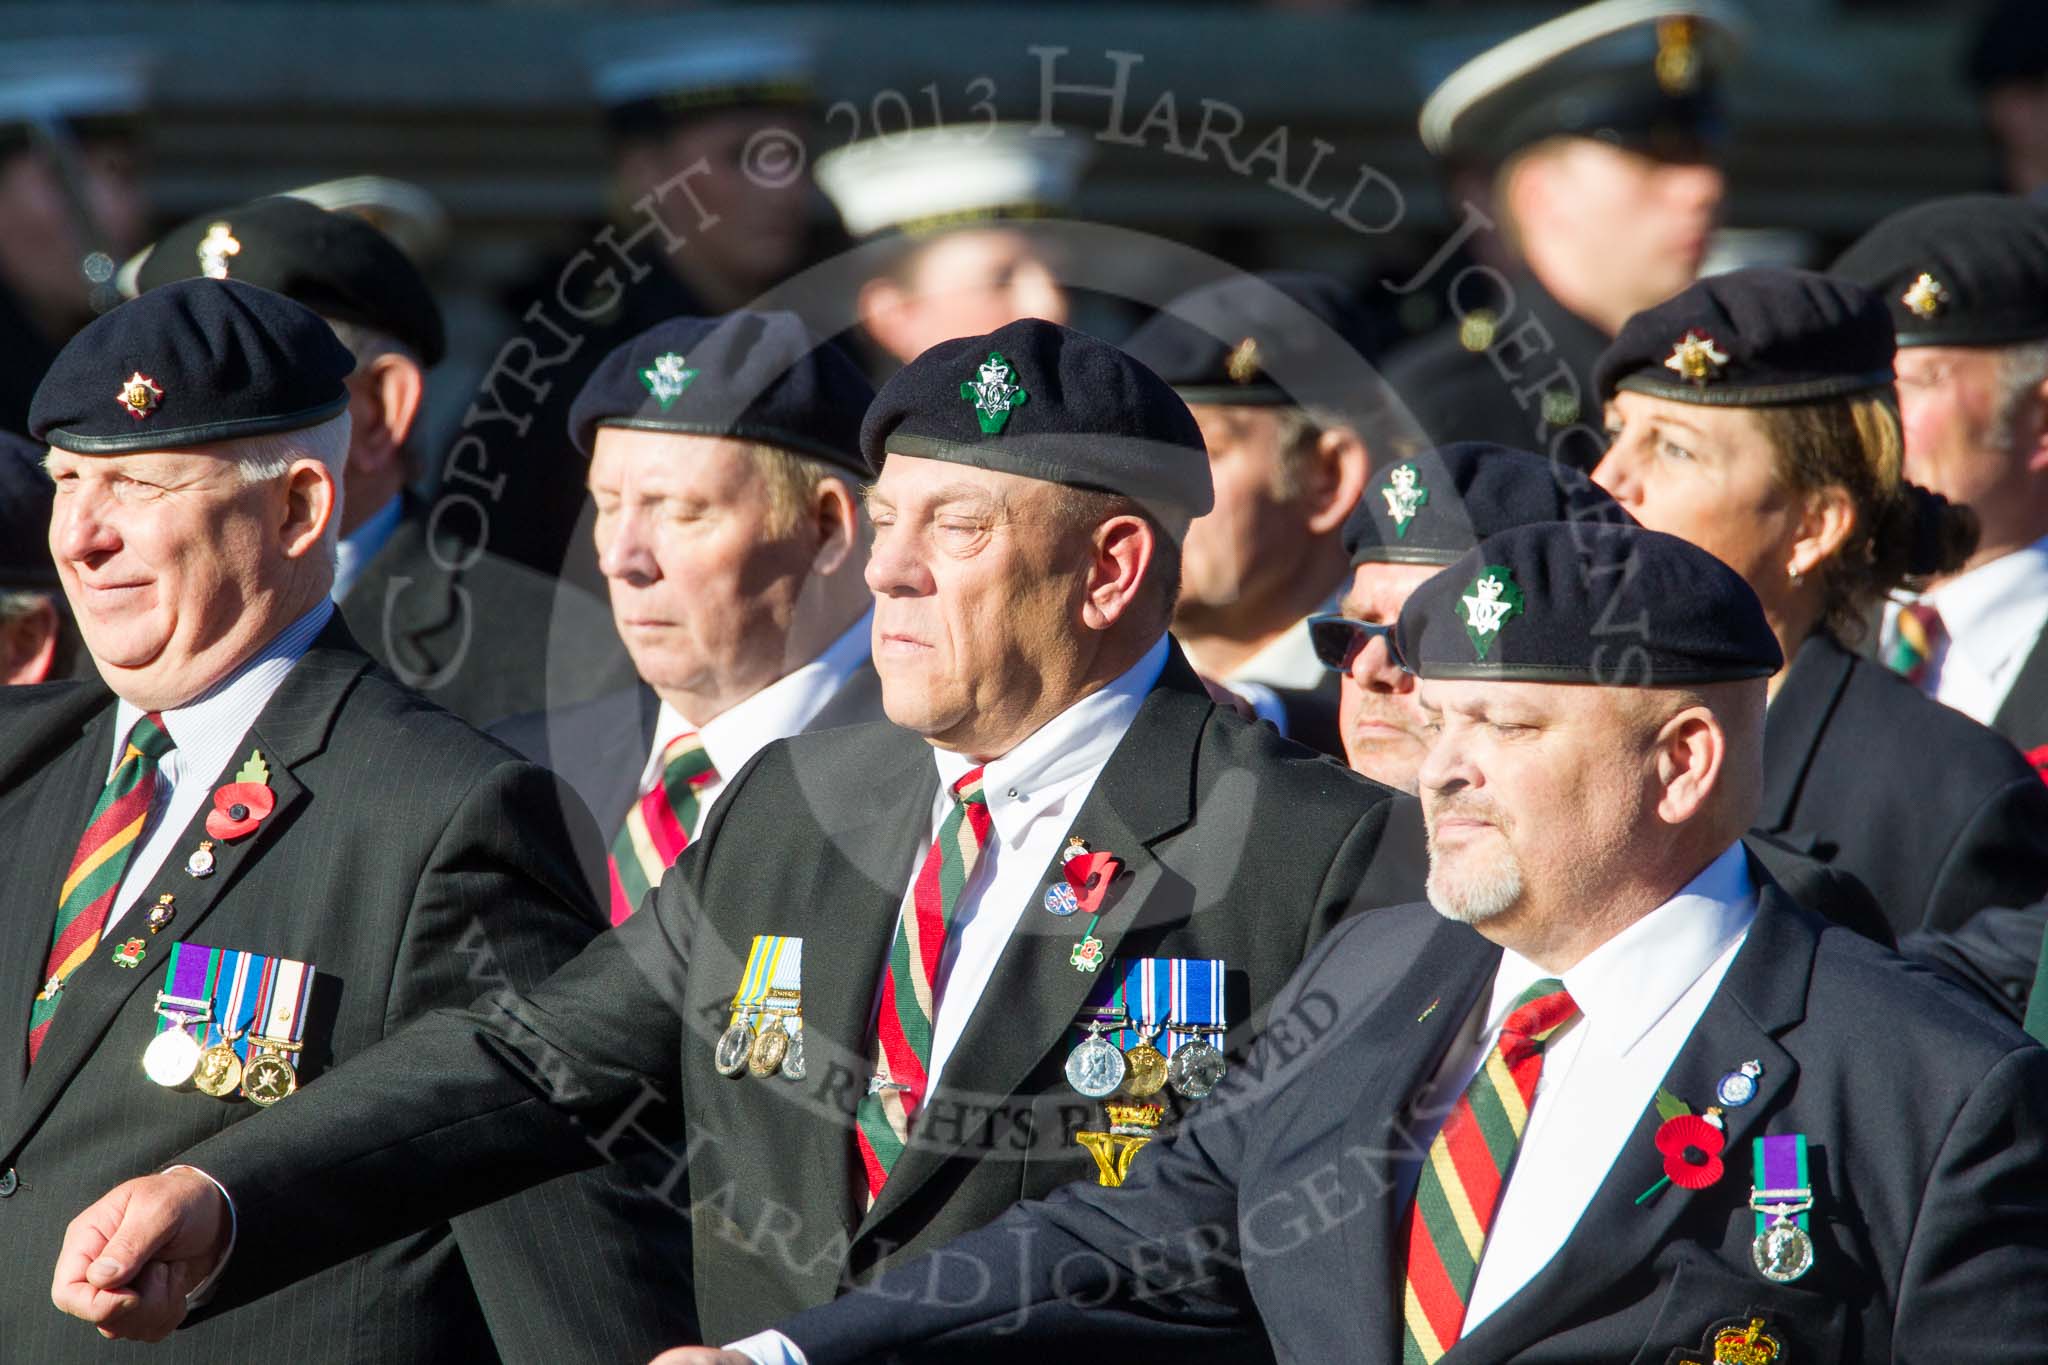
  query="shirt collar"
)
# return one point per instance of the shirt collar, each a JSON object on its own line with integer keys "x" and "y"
{"x": 206, "y": 730}
{"x": 777, "y": 711}
{"x": 1062, "y": 756}
{"x": 1631, "y": 981}
{"x": 1994, "y": 611}
{"x": 1287, "y": 660}
{"x": 360, "y": 546}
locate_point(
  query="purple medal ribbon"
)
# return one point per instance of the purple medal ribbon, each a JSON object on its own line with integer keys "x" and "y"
{"x": 1781, "y": 1178}
{"x": 185, "y": 979}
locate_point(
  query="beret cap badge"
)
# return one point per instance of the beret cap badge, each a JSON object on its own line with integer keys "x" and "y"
{"x": 1678, "y": 55}
{"x": 1696, "y": 358}
{"x": 666, "y": 379}
{"x": 1405, "y": 496}
{"x": 1242, "y": 366}
{"x": 1925, "y": 296}
{"x": 1493, "y": 600}
{"x": 215, "y": 247}
{"x": 139, "y": 394}
{"x": 992, "y": 394}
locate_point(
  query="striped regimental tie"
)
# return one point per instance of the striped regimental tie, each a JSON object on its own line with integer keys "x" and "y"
{"x": 88, "y": 892}
{"x": 1916, "y": 633}
{"x": 903, "y": 1025}
{"x": 657, "y": 828}
{"x": 1468, "y": 1166}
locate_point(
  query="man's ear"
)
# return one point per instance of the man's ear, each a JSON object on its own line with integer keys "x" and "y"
{"x": 312, "y": 499}
{"x": 384, "y": 401}
{"x": 836, "y": 517}
{"x": 1338, "y": 467}
{"x": 1691, "y": 750}
{"x": 1120, "y": 556}
{"x": 28, "y": 644}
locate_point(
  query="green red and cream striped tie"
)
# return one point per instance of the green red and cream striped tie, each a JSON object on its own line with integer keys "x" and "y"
{"x": 903, "y": 1025}
{"x": 1467, "y": 1168}
{"x": 95, "y": 876}
{"x": 658, "y": 827}
{"x": 1916, "y": 634}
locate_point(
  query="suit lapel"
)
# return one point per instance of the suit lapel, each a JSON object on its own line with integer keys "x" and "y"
{"x": 1763, "y": 995}
{"x": 292, "y": 727}
{"x": 2023, "y": 716}
{"x": 1794, "y": 724}
{"x": 46, "y": 819}
{"x": 1426, "y": 1014}
{"x": 1145, "y": 792}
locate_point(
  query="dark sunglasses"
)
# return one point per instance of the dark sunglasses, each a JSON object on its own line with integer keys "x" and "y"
{"x": 1337, "y": 640}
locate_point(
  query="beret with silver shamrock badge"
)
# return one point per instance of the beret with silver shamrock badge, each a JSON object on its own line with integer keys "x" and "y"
{"x": 1434, "y": 507}
{"x": 1615, "y": 606}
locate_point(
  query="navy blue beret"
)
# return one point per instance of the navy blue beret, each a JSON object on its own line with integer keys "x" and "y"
{"x": 1433, "y": 508}
{"x": 753, "y": 376}
{"x": 335, "y": 263}
{"x": 189, "y": 364}
{"x": 1965, "y": 271}
{"x": 1618, "y": 606}
{"x": 1753, "y": 338}
{"x": 1284, "y": 337}
{"x": 1036, "y": 399}
{"x": 25, "y": 495}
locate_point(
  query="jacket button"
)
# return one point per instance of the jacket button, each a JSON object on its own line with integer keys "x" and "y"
{"x": 9, "y": 1182}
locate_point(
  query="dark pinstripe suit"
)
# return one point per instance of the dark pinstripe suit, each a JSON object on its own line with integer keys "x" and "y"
{"x": 415, "y": 864}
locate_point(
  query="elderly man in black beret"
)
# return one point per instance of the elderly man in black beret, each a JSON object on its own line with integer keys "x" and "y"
{"x": 725, "y": 466}
{"x": 37, "y": 640}
{"x": 245, "y": 854}
{"x": 894, "y": 979}
{"x": 1275, "y": 369}
{"x": 481, "y": 635}
{"x": 1608, "y": 1097}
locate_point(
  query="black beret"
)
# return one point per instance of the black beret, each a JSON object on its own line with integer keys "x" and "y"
{"x": 755, "y": 376}
{"x": 1283, "y": 337}
{"x": 2011, "y": 44}
{"x": 25, "y": 496}
{"x": 1753, "y": 338}
{"x": 1558, "y": 602}
{"x": 335, "y": 263}
{"x": 1971, "y": 270}
{"x": 189, "y": 364}
{"x": 1433, "y": 508}
{"x": 1036, "y": 399}
{"x": 1641, "y": 74}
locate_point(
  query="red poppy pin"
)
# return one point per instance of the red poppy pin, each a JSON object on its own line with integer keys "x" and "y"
{"x": 1690, "y": 1143}
{"x": 2039, "y": 758}
{"x": 241, "y": 805}
{"x": 1090, "y": 874}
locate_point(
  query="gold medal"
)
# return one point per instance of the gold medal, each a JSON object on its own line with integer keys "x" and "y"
{"x": 219, "y": 1071}
{"x": 268, "y": 1078}
{"x": 1144, "y": 1067}
{"x": 771, "y": 1045}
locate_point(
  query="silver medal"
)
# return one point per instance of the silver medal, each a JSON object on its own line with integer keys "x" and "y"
{"x": 793, "y": 1060}
{"x": 734, "y": 1046}
{"x": 1194, "y": 1069}
{"x": 1782, "y": 1252}
{"x": 1096, "y": 1067}
{"x": 171, "y": 1057}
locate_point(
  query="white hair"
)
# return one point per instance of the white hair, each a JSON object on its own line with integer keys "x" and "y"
{"x": 271, "y": 456}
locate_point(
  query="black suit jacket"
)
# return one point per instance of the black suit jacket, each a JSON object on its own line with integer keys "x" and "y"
{"x": 1239, "y": 846}
{"x": 2023, "y": 715}
{"x": 478, "y": 634}
{"x": 413, "y": 863}
{"x": 1284, "y": 1203}
{"x": 1937, "y": 815}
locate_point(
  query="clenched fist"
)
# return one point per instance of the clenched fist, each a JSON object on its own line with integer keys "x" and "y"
{"x": 131, "y": 1259}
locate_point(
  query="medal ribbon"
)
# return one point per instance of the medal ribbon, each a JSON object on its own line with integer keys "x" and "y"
{"x": 1780, "y": 1165}
{"x": 1194, "y": 997}
{"x": 281, "y": 1003}
{"x": 237, "y": 1011}
{"x": 188, "y": 976}
{"x": 774, "y": 964}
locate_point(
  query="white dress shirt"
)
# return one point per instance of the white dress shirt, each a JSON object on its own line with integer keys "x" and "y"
{"x": 779, "y": 710}
{"x": 1034, "y": 792}
{"x": 206, "y": 733}
{"x": 360, "y": 546}
{"x": 1287, "y": 661}
{"x": 1639, "y": 994}
{"x": 1990, "y": 617}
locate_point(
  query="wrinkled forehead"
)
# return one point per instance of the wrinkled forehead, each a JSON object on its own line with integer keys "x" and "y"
{"x": 1525, "y": 701}
{"x": 187, "y": 462}
{"x": 1377, "y": 591}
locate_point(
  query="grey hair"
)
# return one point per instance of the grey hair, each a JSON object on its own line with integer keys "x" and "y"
{"x": 271, "y": 456}
{"x": 2022, "y": 370}
{"x": 367, "y": 343}
{"x": 16, "y": 604}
